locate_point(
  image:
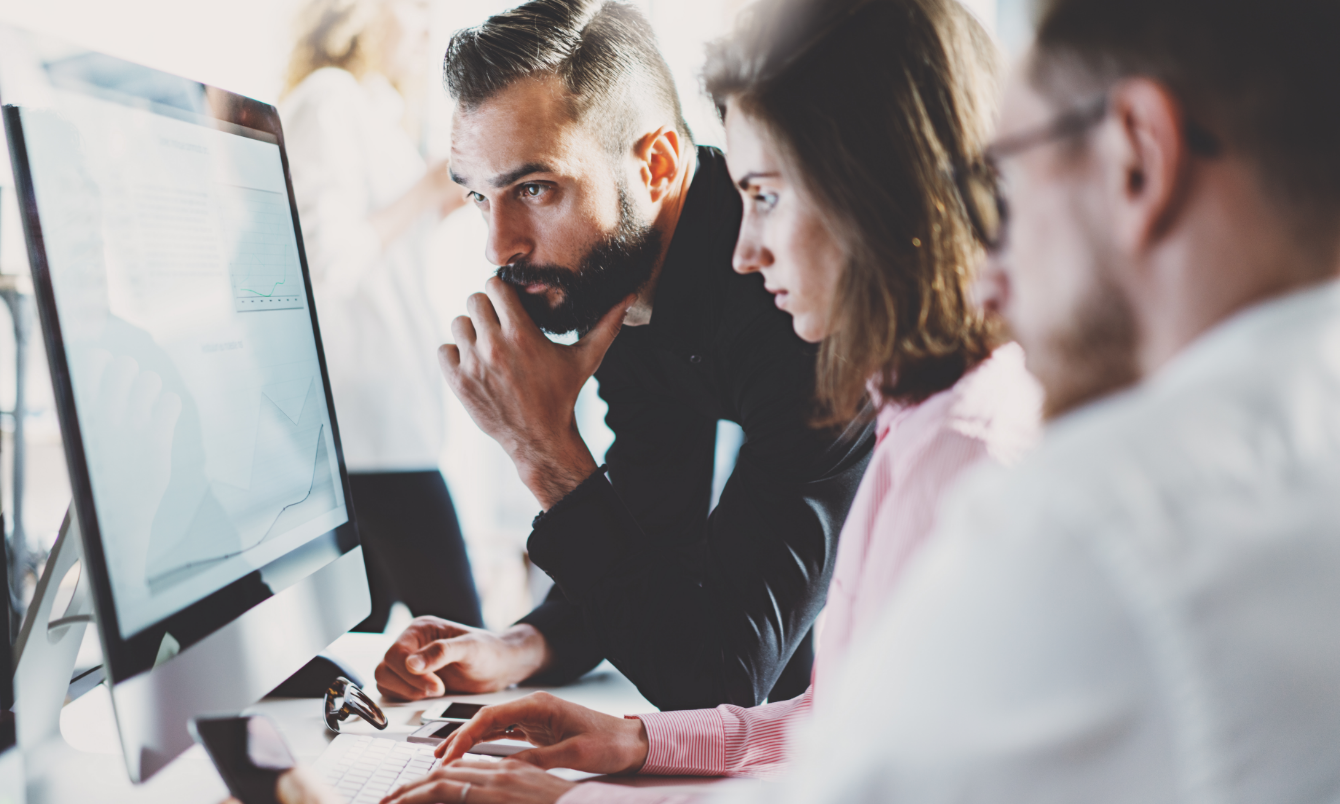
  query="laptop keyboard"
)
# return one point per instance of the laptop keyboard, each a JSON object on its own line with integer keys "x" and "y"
{"x": 365, "y": 769}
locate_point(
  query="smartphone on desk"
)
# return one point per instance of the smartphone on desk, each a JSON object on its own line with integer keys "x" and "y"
{"x": 249, "y": 752}
{"x": 435, "y": 731}
{"x": 451, "y": 712}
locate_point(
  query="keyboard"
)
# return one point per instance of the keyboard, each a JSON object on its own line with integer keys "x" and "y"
{"x": 365, "y": 769}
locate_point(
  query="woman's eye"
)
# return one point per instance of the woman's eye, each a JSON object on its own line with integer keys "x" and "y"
{"x": 764, "y": 201}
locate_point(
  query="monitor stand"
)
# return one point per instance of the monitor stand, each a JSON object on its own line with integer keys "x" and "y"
{"x": 46, "y": 651}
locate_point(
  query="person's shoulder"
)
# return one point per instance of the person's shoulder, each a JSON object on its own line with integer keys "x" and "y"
{"x": 998, "y": 403}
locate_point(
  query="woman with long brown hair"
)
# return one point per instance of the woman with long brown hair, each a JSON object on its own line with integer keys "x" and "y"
{"x": 845, "y": 122}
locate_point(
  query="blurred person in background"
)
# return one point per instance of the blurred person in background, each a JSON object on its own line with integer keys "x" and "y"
{"x": 368, "y": 203}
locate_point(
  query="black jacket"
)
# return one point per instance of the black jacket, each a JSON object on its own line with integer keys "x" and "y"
{"x": 697, "y": 609}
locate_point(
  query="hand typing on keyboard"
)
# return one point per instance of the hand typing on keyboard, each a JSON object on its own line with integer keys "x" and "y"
{"x": 479, "y": 781}
{"x": 358, "y": 769}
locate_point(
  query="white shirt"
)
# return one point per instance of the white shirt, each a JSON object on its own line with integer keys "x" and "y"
{"x": 1146, "y": 610}
{"x": 349, "y": 158}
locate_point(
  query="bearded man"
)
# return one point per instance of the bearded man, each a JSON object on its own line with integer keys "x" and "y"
{"x": 570, "y": 139}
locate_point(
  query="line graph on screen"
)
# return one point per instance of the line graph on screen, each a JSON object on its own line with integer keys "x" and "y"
{"x": 263, "y": 256}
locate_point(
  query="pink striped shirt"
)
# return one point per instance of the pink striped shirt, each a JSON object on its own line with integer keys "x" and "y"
{"x": 992, "y": 412}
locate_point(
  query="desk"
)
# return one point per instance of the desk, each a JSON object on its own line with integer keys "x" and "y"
{"x": 91, "y": 769}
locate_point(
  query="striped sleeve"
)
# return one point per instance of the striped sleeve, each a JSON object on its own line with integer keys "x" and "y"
{"x": 726, "y": 741}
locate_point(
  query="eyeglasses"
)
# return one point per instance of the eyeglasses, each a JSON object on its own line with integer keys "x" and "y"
{"x": 344, "y": 699}
{"x": 979, "y": 183}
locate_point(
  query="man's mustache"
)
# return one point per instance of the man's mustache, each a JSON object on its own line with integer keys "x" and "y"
{"x": 521, "y": 274}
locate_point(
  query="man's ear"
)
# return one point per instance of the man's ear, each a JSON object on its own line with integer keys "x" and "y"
{"x": 1152, "y": 160}
{"x": 660, "y": 160}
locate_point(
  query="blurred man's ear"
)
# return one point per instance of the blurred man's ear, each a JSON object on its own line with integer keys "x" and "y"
{"x": 1149, "y": 161}
{"x": 660, "y": 159}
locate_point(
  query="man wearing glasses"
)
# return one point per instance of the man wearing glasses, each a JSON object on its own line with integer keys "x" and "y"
{"x": 1147, "y": 609}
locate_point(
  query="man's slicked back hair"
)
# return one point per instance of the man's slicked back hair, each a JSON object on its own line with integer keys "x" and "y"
{"x": 1263, "y": 76}
{"x": 604, "y": 53}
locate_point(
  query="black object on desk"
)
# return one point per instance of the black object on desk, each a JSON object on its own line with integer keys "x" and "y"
{"x": 249, "y": 753}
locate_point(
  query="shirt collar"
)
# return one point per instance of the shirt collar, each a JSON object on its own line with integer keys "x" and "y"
{"x": 704, "y": 239}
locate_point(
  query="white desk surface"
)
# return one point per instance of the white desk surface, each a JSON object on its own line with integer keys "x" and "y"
{"x": 94, "y": 772}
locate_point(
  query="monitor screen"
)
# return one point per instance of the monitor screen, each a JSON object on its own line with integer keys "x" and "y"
{"x": 210, "y": 494}
{"x": 189, "y": 340}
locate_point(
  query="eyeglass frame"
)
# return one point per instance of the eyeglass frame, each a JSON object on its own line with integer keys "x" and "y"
{"x": 352, "y": 702}
{"x": 1069, "y": 124}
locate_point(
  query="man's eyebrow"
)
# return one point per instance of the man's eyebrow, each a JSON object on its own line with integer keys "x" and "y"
{"x": 513, "y": 176}
{"x": 748, "y": 178}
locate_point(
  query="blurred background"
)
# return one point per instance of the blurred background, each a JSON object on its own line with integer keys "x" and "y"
{"x": 243, "y": 46}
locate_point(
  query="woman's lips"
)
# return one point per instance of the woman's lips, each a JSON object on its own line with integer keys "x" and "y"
{"x": 779, "y": 298}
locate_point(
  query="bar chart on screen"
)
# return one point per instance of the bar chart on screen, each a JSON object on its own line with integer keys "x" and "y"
{"x": 263, "y": 264}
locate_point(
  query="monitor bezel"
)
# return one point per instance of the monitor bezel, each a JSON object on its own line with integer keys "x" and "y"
{"x": 127, "y": 657}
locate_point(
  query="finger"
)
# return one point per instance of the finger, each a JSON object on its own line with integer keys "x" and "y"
{"x": 488, "y": 765}
{"x": 476, "y": 772}
{"x": 406, "y": 686}
{"x": 567, "y": 754}
{"x": 492, "y": 723}
{"x": 595, "y": 343}
{"x": 461, "y": 742}
{"x": 482, "y": 314}
{"x": 437, "y": 654}
{"x": 463, "y": 329}
{"x": 507, "y": 303}
{"x": 430, "y": 790}
{"x": 449, "y": 358}
{"x": 421, "y": 631}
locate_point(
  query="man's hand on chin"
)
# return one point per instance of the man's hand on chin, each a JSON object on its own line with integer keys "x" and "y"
{"x": 521, "y": 388}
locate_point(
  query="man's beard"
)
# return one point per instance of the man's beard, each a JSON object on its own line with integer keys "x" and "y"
{"x": 1096, "y": 354}
{"x": 619, "y": 265}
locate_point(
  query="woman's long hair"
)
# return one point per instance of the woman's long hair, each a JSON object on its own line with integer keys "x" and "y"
{"x": 335, "y": 33}
{"x": 873, "y": 103}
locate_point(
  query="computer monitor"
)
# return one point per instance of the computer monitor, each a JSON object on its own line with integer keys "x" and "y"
{"x": 204, "y": 456}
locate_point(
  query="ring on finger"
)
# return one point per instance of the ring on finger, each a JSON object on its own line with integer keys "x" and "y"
{"x": 465, "y": 791}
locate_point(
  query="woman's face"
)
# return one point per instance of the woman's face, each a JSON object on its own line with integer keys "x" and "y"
{"x": 782, "y": 235}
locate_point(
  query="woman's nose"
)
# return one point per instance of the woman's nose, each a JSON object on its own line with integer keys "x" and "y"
{"x": 750, "y": 255}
